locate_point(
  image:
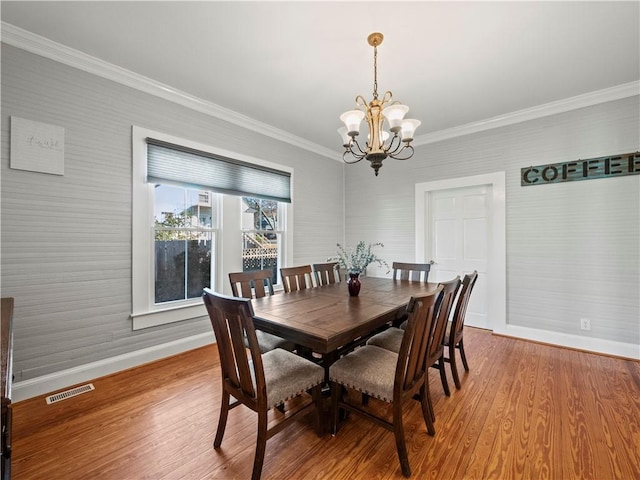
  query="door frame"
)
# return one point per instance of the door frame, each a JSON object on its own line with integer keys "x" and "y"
{"x": 497, "y": 299}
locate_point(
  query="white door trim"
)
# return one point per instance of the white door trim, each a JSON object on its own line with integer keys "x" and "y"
{"x": 497, "y": 307}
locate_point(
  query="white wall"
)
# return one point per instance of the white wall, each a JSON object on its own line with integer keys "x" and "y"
{"x": 66, "y": 240}
{"x": 573, "y": 249}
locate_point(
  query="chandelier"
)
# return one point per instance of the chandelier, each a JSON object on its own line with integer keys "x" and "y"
{"x": 378, "y": 146}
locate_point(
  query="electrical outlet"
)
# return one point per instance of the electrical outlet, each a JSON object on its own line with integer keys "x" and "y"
{"x": 585, "y": 324}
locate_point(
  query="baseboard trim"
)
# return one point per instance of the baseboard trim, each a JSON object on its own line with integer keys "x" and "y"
{"x": 595, "y": 345}
{"x": 66, "y": 378}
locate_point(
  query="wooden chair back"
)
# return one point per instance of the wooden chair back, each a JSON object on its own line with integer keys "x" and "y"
{"x": 457, "y": 323}
{"x": 296, "y": 278}
{"x": 326, "y": 273}
{"x": 411, "y": 366}
{"x": 436, "y": 346}
{"x": 232, "y": 321}
{"x": 454, "y": 340}
{"x": 416, "y": 272}
{"x": 255, "y": 284}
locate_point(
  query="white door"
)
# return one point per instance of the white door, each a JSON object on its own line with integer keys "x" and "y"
{"x": 460, "y": 226}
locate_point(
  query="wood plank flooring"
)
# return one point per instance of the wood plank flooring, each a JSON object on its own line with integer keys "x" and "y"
{"x": 525, "y": 411}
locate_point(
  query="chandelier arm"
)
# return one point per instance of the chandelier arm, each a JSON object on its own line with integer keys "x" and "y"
{"x": 361, "y": 153}
{"x": 349, "y": 162}
{"x": 361, "y": 102}
{"x": 391, "y": 149}
{"x": 406, "y": 147}
{"x": 387, "y": 98}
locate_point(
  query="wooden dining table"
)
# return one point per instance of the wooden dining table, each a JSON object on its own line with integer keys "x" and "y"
{"x": 327, "y": 321}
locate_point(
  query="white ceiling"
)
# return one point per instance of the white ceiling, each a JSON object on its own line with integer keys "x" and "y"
{"x": 298, "y": 65}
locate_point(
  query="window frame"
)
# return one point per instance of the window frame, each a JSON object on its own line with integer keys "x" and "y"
{"x": 145, "y": 313}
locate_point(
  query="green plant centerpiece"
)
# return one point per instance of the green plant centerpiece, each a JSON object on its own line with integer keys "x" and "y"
{"x": 355, "y": 261}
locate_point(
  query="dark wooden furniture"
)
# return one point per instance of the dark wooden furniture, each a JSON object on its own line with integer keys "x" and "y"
{"x": 417, "y": 272}
{"x": 435, "y": 351}
{"x": 327, "y": 320}
{"x": 326, "y": 273}
{"x": 258, "y": 381}
{"x": 296, "y": 278}
{"x": 257, "y": 284}
{"x": 394, "y": 378}
{"x": 454, "y": 337}
{"x": 392, "y": 338}
{"x": 6, "y": 359}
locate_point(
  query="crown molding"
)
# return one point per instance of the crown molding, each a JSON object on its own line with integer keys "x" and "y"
{"x": 561, "y": 106}
{"x": 44, "y": 47}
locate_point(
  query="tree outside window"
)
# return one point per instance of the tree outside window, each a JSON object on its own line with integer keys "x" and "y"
{"x": 183, "y": 242}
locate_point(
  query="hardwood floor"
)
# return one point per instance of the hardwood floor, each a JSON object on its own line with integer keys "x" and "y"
{"x": 525, "y": 411}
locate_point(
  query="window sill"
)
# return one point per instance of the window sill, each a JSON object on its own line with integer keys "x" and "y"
{"x": 168, "y": 315}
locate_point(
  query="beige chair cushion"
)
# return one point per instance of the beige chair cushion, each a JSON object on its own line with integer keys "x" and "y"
{"x": 369, "y": 369}
{"x": 287, "y": 375}
{"x": 390, "y": 339}
{"x": 267, "y": 342}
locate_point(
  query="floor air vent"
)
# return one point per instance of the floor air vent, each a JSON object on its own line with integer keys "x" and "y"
{"x": 58, "y": 397}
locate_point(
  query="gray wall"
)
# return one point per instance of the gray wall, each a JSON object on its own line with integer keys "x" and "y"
{"x": 573, "y": 249}
{"x": 66, "y": 240}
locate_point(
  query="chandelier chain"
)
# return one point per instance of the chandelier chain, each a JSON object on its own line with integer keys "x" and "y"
{"x": 375, "y": 72}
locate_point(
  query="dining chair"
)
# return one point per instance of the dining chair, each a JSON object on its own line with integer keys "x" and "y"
{"x": 435, "y": 352}
{"x": 326, "y": 273}
{"x": 417, "y": 272}
{"x": 259, "y": 381}
{"x": 296, "y": 278}
{"x": 454, "y": 337}
{"x": 390, "y": 377}
{"x": 251, "y": 284}
{"x": 258, "y": 284}
{"x": 391, "y": 339}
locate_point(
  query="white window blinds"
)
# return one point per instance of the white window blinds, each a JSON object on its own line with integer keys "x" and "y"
{"x": 178, "y": 165}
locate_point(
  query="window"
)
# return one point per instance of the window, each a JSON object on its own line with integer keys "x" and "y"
{"x": 184, "y": 239}
{"x": 191, "y": 204}
{"x": 261, "y": 236}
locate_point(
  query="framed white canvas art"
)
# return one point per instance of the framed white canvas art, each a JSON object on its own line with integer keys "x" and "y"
{"x": 37, "y": 147}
